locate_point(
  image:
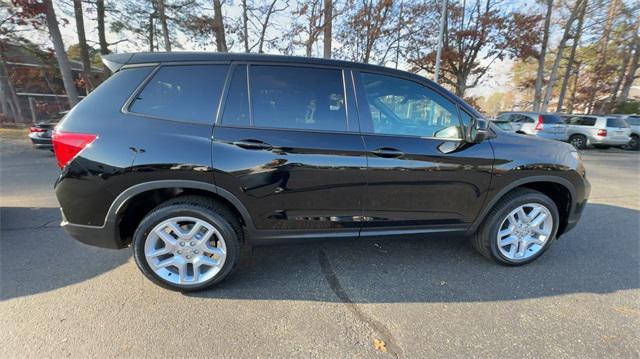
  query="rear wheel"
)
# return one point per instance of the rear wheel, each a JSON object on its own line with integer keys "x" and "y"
{"x": 519, "y": 228}
{"x": 578, "y": 141}
{"x": 187, "y": 244}
{"x": 634, "y": 144}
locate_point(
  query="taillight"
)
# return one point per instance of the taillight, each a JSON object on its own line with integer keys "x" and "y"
{"x": 36, "y": 129}
{"x": 67, "y": 145}
{"x": 539, "y": 125}
{"x": 602, "y": 132}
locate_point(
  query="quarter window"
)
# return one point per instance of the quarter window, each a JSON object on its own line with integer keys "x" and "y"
{"x": 183, "y": 93}
{"x": 297, "y": 98}
{"x": 403, "y": 107}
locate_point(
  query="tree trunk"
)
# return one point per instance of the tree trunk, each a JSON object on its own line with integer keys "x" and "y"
{"x": 61, "y": 55}
{"x": 543, "y": 52}
{"x": 245, "y": 25}
{"x": 556, "y": 63}
{"x": 626, "y": 58}
{"x": 104, "y": 46}
{"x": 264, "y": 27}
{"x": 82, "y": 42}
{"x": 163, "y": 24}
{"x": 328, "y": 24}
{"x": 572, "y": 56}
{"x": 574, "y": 89}
{"x": 221, "y": 41}
{"x": 632, "y": 70}
{"x": 151, "y": 33}
{"x": 602, "y": 52}
{"x": 8, "y": 91}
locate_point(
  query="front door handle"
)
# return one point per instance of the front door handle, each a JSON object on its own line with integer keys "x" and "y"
{"x": 388, "y": 152}
{"x": 253, "y": 144}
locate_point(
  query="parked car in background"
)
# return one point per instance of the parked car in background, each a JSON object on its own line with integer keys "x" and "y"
{"x": 600, "y": 131}
{"x": 503, "y": 125}
{"x": 545, "y": 125}
{"x": 634, "y": 124}
{"x": 40, "y": 133}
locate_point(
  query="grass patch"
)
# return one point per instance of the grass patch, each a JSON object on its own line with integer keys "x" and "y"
{"x": 14, "y": 133}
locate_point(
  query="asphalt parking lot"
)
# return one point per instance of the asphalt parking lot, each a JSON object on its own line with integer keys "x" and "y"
{"x": 422, "y": 298}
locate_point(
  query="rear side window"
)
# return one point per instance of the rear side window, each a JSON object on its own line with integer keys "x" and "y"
{"x": 297, "y": 98}
{"x": 635, "y": 121}
{"x": 552, "y": 119}
{"x": 616, "y": 122}
{"x": 582, "y": 121}
{"x": 183, "y": 93}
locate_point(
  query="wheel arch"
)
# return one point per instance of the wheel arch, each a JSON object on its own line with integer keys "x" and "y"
{"x": 143, "y": 197}
{"x": 559, "y": 189}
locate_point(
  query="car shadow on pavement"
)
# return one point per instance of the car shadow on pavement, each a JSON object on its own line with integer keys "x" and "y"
{"x": 36, "y": 255}
{"x": 600, "y": 256}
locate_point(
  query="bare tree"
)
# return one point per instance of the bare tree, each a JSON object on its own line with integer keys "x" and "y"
{"x": 163, "y": 23}
{"x": 574, "y": 46}
{"x": 82, "y": 42}
{"x": 102, "y": 39}
{"x": 553, "y": 76}
{"x": 632, "y": 71}
{"x": 245, "y": 25}
{"x": 221, "y": 42}
{"x": 541, "y": 57}
{"x": 328, "y": 24}
{"x": 61, "y": 55}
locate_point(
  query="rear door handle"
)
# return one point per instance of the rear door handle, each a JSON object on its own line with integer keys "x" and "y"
{"x": 388, "y": 152}
{"x": 253, "y": 145}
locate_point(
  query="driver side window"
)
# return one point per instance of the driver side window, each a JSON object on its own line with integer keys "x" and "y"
{"x": 404, "y": 107}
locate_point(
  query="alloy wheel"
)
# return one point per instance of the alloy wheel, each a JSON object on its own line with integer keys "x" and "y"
{"x": 524, "y": 231}
{"x": 185, "y": 250}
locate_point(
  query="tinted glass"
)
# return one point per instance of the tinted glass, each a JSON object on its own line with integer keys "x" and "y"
{"x": 298, "y": 98}
{"x": 552, "y": 119}
{"x": 616, "y": 122}
{"x": 236, "y": 108}
{"x": 183, "y": 93}
{"x": 403, "y": 107}
{"x": 587, "y": 121}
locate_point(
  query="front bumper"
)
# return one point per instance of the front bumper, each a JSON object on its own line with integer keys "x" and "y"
{"x": 40, "y": 141}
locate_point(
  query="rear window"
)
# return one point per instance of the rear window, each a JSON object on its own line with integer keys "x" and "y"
{"x": 183, "y": 93}
{"x": 297, "y": 98}
{"x": 635, "y": 121}
{"x": 553, "y": 119}
{"x": 616, "y": 122}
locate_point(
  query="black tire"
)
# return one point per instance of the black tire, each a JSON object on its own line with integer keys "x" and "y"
{"x": 578, "y": 141}
{"x": 202, "y": 208}
{"x": 485, "y": 239}
{"x": 634, "y": 144}
{"x": 602, "y": 147}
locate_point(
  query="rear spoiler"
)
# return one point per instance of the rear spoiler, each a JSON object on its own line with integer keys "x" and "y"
{"x": 115, "y": 61}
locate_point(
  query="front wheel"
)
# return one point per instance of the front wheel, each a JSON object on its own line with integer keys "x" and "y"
{"x": 519, "y": 228}
{"x": 188, "y": 243}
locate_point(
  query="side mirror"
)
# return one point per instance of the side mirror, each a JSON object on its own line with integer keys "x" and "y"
{"x": 478, "y": 130}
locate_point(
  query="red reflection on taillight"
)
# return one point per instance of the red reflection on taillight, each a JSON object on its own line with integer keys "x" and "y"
{"x": 602, "y": 132}
{"x": 540, "y": 124}
{"x": 68, "y": 145}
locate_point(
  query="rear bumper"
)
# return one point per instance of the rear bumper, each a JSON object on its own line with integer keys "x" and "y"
{"x": 41, "y": 141}
{"x": 608, "y": 141}
{"x": 104, "y": 236}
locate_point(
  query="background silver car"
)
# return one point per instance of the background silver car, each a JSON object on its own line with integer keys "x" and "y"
{"x": 546, "y": 125}
{"x": 598, "y": 131}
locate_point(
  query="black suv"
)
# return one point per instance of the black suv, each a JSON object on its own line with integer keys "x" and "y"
{"x": 188, "y": 157}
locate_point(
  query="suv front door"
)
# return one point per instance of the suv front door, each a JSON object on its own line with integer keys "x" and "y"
{"x": 288, "y": 148}
{"x": 421, "y": 175}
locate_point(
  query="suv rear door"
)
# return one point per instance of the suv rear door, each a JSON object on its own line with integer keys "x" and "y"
{"x": 421, "y": 176}
{"x": 286, "y": 144}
